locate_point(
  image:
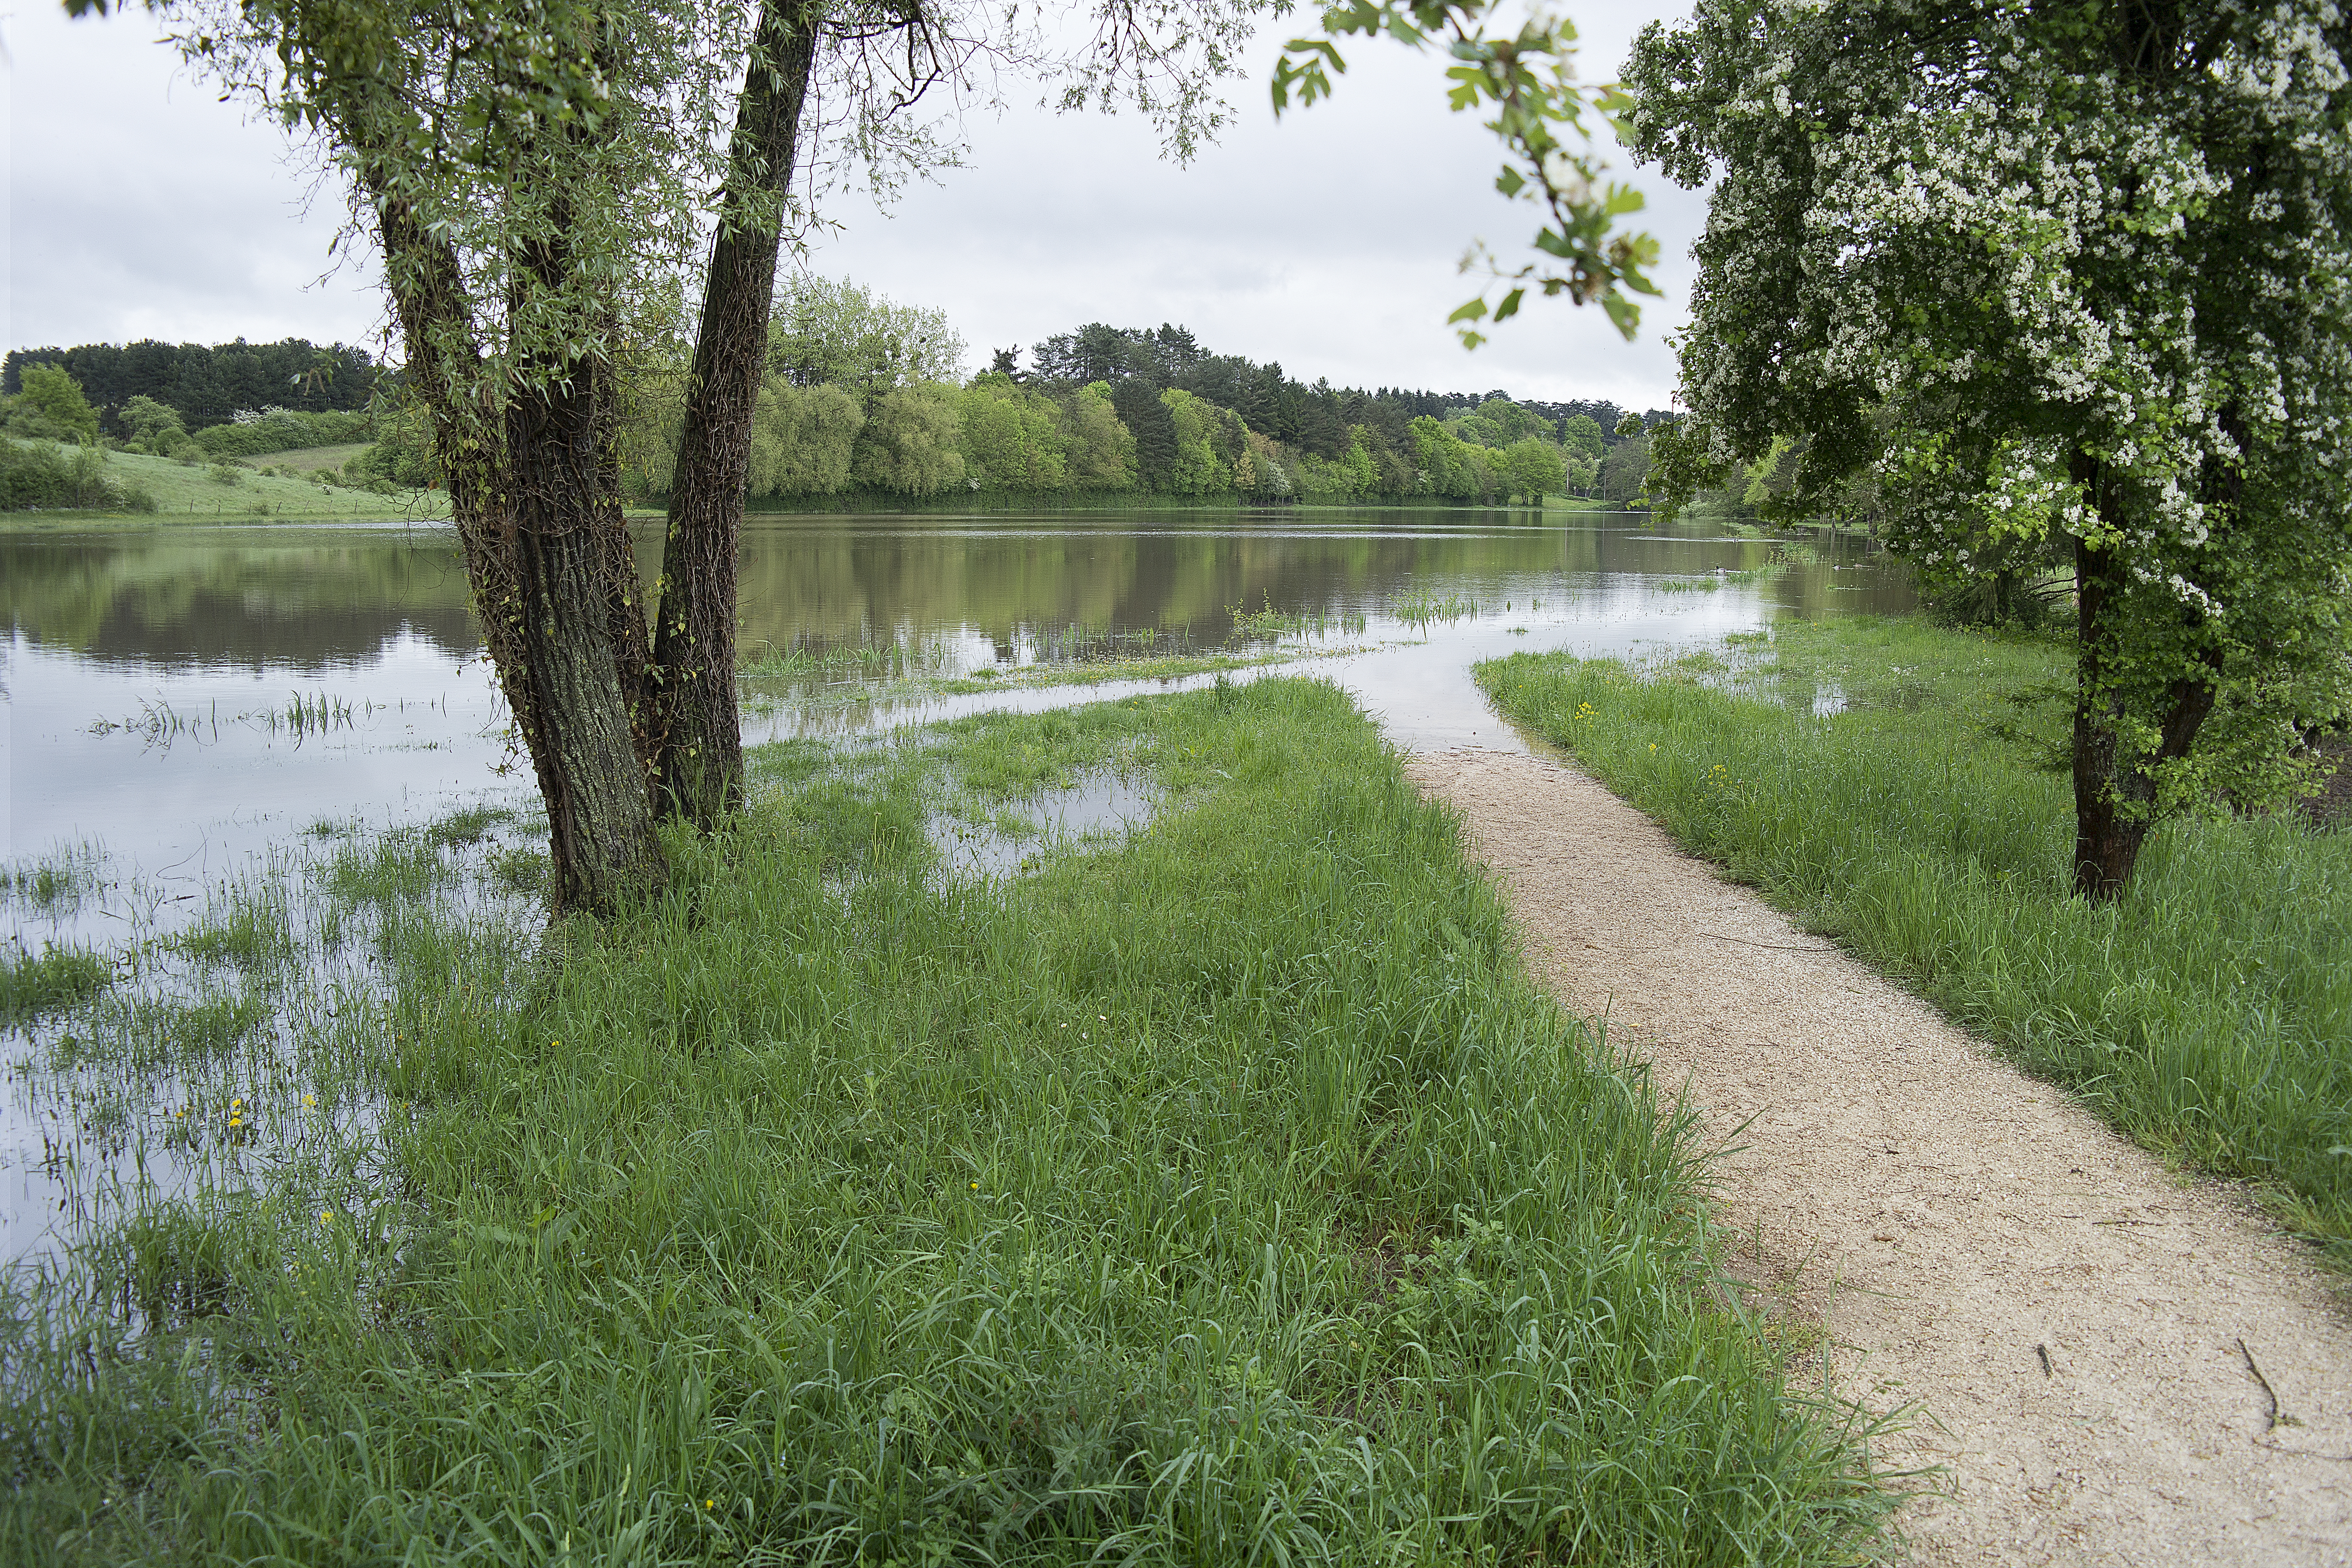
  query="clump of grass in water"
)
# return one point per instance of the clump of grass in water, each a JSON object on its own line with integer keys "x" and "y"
{"x": 53, "y": 979}
{"x": 246, "y": 930}
{"x": 1266, "y": 623}
{"x": 56, "y": 881}
{"x": 1223, "y": 1196}
{"x": 2204, "y": 1014}
{"x": 1421, "y": 610}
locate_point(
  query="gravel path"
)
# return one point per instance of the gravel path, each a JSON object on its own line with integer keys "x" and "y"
{"x": 2074, "y": 1326}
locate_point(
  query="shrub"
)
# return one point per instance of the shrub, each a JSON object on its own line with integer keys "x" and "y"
{"x": 281, "y": 430}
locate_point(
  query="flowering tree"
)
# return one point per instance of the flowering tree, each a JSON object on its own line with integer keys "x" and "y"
{"x": 2069, "y": 274}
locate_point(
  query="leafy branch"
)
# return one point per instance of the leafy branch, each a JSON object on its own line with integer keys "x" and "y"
{"x": 1537, "y": 109}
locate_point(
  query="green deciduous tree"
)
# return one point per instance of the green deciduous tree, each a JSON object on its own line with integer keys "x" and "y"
{"x": 55, "y": 404}
{"x": 2078, "y": 272}
{"x": 152, "y": 427}
{"x": 1196, "y": 468}
{"x": 1579, "y": 435}
{"x": 909, "y": 445}
{"x": 802, "y": 439}
{"x": 1535, "y": 469}
{"x": 1011, "y": 437}
{"x": 1625, "y": 472}
{"x": 1099, "y": 451}
{"x": 841, "y": 333}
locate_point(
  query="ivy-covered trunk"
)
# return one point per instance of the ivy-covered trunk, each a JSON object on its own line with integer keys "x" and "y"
{"x": 533, "y": 491}
{"x": 699, "y": 750}
{"x": 2115, "y": 761}
{"x": 574, "y": 710}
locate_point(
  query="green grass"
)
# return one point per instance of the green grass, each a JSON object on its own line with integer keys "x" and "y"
{"x": 57, "y": 977}
{"x": 2208, "y": 1014}
{"x": 1420, "y": 609}
{"x": 54, "y": 882}
{"x": 1225, "y": 1193}
{"x": 308, "y": 459}
{"x": 246, "y": 929}
{"x": 184, "y": 493}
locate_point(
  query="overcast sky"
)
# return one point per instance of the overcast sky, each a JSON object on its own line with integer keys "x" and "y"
{"x": 140, "y": 207}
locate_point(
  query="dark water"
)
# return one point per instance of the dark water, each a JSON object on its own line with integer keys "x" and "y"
{"x": 187, "y": 707}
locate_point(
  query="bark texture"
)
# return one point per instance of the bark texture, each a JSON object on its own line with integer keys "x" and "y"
{"x": 699, "y": 746}
{"x": 532, "y": 488}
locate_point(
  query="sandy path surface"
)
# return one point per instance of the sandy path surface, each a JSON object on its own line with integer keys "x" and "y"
{"x": 2071, "y": 1322}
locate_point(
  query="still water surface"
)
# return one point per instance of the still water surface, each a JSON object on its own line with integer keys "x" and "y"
{"x": 184, "y": 704}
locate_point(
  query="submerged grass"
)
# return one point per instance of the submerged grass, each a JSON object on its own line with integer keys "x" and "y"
{"x": 32, "y": 984}
{"x": 1891, "y": 780}
{"x": 1225, "y": 1193}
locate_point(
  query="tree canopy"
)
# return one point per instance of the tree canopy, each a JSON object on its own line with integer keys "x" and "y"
{"x": 207, "y": 385}
{"x": 2072, "y": 274}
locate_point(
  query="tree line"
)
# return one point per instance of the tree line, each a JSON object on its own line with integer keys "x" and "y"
{"x": 205, "y": 385}
{"x": 862, "y": 395}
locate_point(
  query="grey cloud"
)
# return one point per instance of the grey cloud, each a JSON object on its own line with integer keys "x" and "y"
{"x": 1327, "y": 241}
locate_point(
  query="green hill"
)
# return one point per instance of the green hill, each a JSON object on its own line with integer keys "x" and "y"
{"x": 243, "y": 492}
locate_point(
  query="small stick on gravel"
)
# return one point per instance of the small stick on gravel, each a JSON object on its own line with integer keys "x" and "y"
{"x": 2044, "y": 1351}
{"x": 1775, "y": 946}
{"x": 2270, "y": 1426}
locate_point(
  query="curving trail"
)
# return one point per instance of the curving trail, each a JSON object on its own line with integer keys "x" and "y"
{"x": 2071, "y": 1322}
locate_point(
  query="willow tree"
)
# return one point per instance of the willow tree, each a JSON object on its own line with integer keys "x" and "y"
{"x": 2073, "y": 272}
{"x": 540, "y": 179}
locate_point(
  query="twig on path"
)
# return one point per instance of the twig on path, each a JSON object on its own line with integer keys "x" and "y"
{"x": 1775, "y": 946}
{"x": 2276, "y": 1410}
{"x": 2279, "y": 1417}
{"x": 2044, "y": 1351}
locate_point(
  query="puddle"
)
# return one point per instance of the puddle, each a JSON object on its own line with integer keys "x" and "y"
{"x": 1101, "y": 803}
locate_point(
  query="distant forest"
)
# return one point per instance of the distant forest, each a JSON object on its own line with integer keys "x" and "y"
{"x": 1314, "y": 418}
{"x": 867, "y": 397}
{"x": 206, "y": 386}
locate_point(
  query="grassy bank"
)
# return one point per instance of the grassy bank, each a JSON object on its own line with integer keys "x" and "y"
{"x": 241, "y": 493}
{"x": 2209, "y": 1014}
{"x": 1220, "y": 1192}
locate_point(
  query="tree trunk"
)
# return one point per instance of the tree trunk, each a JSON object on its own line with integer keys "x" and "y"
{"x": 599, "y": 818}
{"x": 698, "y": 748}
{"x": 2114, "y": 784}
{"x": 533, "y": 493}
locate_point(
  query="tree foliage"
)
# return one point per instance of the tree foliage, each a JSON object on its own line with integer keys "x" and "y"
{"x": 827, "y": 332}
{"x": 2076, "y": 273}
{"x": 51, "y": 404}
{"x": 207, "y": 385}
{"x": 802, "y": 439}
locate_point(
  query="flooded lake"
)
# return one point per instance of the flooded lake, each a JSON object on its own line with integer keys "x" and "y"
{"x": 191, "y": 711}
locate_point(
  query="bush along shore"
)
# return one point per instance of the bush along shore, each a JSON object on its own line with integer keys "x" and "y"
{"x": 1900, "y": 786}
{"x": 1220, "y": 1190}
